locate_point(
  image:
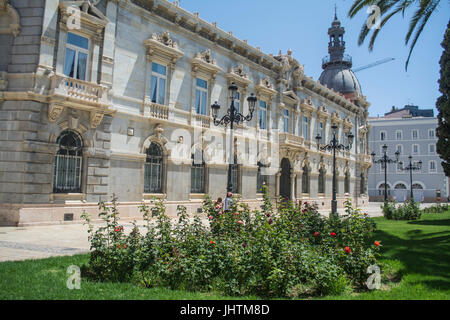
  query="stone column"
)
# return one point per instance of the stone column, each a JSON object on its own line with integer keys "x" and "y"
{"x": 293, "y": 196}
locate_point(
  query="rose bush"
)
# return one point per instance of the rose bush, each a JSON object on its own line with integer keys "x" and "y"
{"x": 291, "y": 251}
{"x": 408, "y": 211}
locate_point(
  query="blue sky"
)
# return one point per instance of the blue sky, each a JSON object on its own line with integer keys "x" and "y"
{"x": 302, "y": 26}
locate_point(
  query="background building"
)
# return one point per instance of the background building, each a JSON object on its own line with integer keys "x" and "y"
{"x": 410, "y": 135}
{"x": 103, "y": 98}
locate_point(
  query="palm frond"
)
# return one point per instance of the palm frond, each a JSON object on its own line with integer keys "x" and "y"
{"x": 428, "y": 12}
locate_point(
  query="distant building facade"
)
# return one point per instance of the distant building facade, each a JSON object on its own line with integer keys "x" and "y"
{"x": 415, "y": 136}
{"x": 113, "y": 97}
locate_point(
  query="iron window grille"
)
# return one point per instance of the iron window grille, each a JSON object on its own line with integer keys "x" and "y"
{"x": 153, "y": 169}
{"x": 68, "y": 163}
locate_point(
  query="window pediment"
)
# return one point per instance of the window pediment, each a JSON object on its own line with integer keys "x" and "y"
{"x": 290, "y": 97}
{"x": 204, "y": 63}
{"x": 265, "y": 87}
{"x": 307, "y": 106}
{"x": 322, "y": 113}
{"x": 238, "y": 76}
{"x": 336, "y": 118}
{"x": 163, "y": 47}
{"x": 348, "y": 123}
{"x": 92, "y": 21}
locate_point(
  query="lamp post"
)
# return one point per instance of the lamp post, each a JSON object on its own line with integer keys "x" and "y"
{"x": 231, "y": 118}
{"x": 411, "y": 167}
{"x": 333, "y": 146}
{"x": 385, "y": 160}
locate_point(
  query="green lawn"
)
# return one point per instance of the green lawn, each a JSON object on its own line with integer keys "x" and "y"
{"x": 417, "y": 251}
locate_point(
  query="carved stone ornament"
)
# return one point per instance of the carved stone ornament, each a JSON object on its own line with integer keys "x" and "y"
{"x": 54, "y": 111}
{"x": 348, "y": 123}
{"x": 95, "y": 119}
{"x": 92, "y": 20}
{"x": 163, "y": 47}
{"x": 206, "y": 57}
{"x": 204, "y": 63}
{"x": 239, "y": 77}
{"x": 291, "y": 70}
{"x": 265, "y": 87}
{"x": 322, "y": 112}
{"x": 336, "y": 118}
{"x": 9, "y": 19}
{"x": 165, "y": 39}
{"x": 307, "y": 106}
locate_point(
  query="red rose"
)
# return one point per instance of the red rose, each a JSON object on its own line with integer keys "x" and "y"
{"x": 117, "y": 229}
{"x": 268, "y": 215}
{"x": 316, "y": 234}
{"x": 304, "y": 211}
{"x": 240, "y": 222}
{"x": 211, "y": 217}
{"x": 270, "y": 221}
{"x": 333, "y": 234}
{"x": 347, "y": 250}
{"x": 377, "y": 243}
{"x": 212, "y": 242}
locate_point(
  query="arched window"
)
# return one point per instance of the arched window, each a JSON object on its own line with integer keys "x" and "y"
{"x": 417, "y": 186}
{"x": 153, "y": 169}
{"x": 198, "y": 173}
{"x": 347, "y": 182}
{"x": 67, "y": 163}
{"x": 305, "y": 180}
{"x": 321, "y": 183}
{"x": 381, "y": 189}
{"x": 400, "y": 186}
{"x": 261, "y": 179}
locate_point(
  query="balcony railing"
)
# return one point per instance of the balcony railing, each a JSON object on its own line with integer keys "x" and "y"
{"x": 83, "y": 91}
{"x": 159, "y": 111}
{"x": 291, "y": 139}
{"x": 201, "y": 120}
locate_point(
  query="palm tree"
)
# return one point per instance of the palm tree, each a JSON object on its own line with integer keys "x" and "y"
{"x": 389, "y": 8}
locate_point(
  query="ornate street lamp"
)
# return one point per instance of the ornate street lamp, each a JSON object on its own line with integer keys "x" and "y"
{"x": 231, "y": 118}
{"x": 385, "y": 160}
{"x": 333, "y": 146}
{"x": 411, "y": 167}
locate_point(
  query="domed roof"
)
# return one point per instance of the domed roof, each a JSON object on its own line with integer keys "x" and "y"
{"x": 341, "y": 79}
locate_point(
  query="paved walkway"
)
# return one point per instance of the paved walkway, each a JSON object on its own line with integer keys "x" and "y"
{"x": 37, "y": 242}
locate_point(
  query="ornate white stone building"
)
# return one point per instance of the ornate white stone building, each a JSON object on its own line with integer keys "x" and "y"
{"x": 112, "y": 97}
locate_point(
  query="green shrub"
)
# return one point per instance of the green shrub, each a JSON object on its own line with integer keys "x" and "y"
{"x": 408, "y": 211}
{"x": 292, "y": 251}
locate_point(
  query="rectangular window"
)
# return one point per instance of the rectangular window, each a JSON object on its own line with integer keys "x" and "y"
{"x": 431, "y": 134}
{"x": 262, "y": 115}
{"x": 415, "y": 149}
{"x": 201, "y": 96}
{"x": 286, "y": 120}
{"x": 399, "y": 135}
{"x": 305, "y": 128}
{"x": 76, "y": 59}
{"x": 237, "y": 102}
{"x": 320, "y": 132}
{"x": 432, "y": 166}
{"x": 158, "y": 83}
{"x": 432, "y": 148}
{"x": 415, "y": 134}
{"x": 400, "y": 149}
{"x": 383, "y": 135}
{"x": 197, "y": 178}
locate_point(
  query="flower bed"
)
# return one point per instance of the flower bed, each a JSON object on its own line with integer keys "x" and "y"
{"x": 292, "y": 251}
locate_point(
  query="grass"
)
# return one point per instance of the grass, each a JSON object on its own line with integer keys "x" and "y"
{"x": 418, "y": 253}
{"x": 415, "y": 265}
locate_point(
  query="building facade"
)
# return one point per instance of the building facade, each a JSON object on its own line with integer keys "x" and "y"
{"x": 411, "y": 136}
{"x": 112, "y": 97}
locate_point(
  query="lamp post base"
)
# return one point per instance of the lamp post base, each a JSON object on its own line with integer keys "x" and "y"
{"x": 334, "y": 207}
